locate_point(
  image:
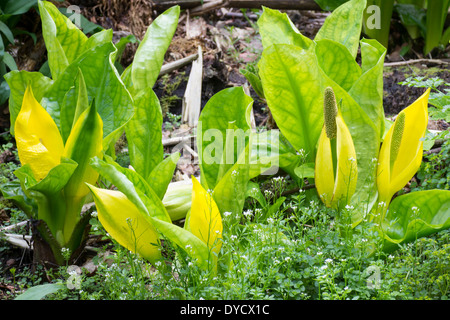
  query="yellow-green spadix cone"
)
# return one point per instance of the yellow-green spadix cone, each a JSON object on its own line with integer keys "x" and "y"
{"x": 330, "y": 112}
{"x": 397, "y": 134}
{"x": 336, "y": 167}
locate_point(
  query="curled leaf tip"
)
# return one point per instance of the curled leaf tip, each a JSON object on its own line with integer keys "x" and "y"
{"x": 330, "y": 112}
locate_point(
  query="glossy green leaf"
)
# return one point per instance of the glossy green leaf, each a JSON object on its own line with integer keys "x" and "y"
{"x": 112, "y": 99}
{"x": 293, "y": 87}
{"x": 230, "y": 105}
{"x": 344, "y": 25}
{"x": 144, "y": 133}
{"x": 230, "y": 192}
{"x": 367, "y": 90}
{"x": 149, "y": 56}
{"x": 160, "y": 177}
{"x": 63, "y": 40}
{"x": 415, "y": 215}
{"x": 276, "y": 28}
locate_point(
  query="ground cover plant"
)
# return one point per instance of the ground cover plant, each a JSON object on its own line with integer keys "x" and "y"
{"x": 238, "y": 231}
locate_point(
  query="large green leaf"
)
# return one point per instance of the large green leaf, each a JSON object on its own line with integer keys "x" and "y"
{"x": 415, "y": 215}
{"x": 149, "y": 56}
{"x": 230, "y": 105}
{"x": 276, "y": 27}
{"x": 112, "y": 99}
{"x": 17, "y": 82}
{"x": 63, "y": 40}
{"x": 144, "y": 133}
{"x": 293, "y": 87}
{"x": 344, "y": 25}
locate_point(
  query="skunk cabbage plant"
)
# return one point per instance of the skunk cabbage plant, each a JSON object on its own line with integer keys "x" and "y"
{"x": 336, "y": 168}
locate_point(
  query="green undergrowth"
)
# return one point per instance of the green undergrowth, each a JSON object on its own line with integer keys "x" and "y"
{"x": 302, "y": 251}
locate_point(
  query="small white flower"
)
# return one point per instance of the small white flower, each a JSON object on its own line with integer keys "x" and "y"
{"x": 349, "y": 207}
{"x": 248, "y": 213}
{"x": 374, "y": 159}
{"x": 233, "y": 237}
{"x": 270, "y": 220}
{"x": 287, "y": 259}
{"x": 327, "y": 261}
{"x": 351, "y": 159}
{"x": 226, "y": 213}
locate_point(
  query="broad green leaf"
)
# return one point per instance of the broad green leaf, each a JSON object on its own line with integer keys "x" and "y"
{"x": 230, "y": 105}
{"x": 17, "y": 82}
{"x": 368, "y": 89}
{"x": 160, "y": 177}
{"x": 415, "y": 215}
{"x": 63, "y": 40}
{"x": 344, "y": 25}
{"x": 331, "y": 56}
{"x": 144, "y": 133}
{"x": 230, "y": 191}
{"x": 112, "y": 99}
{"x": 293, "y": 87}
{"x": 39, "y": 292}
{"x": 128, "y": 225}
{"x": 276, "y": 28}
{"x": 149, "y": 56}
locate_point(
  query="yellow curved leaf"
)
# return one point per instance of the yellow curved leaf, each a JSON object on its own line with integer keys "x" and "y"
{"x": 410, "y": 153}
{"x": 324, "y": 173}
{"x": 205, "y": 219}
{"x": 125, "y": 223}
{"x": 38, "y": 139}
{"x": 347, "y": 171}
